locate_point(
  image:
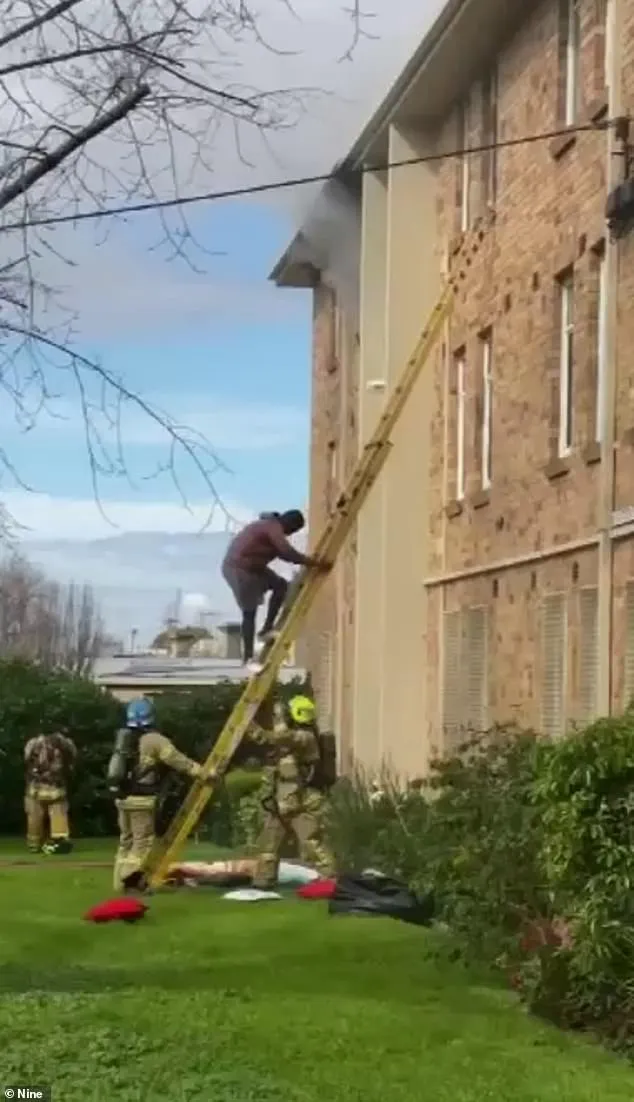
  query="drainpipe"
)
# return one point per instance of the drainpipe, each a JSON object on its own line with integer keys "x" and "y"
{"x": 342, "y": 353}
{"x": 614, "y": 174}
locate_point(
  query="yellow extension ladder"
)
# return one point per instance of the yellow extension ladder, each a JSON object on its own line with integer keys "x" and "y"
{"x": 334, "y": 536}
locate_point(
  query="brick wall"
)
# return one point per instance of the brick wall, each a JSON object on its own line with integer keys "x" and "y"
{"x": 549, "y": 221}
{"x": 328, "y": 639}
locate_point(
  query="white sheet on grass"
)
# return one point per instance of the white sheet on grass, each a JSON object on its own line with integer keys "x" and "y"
{"x": 296, "y": 874}
{"x": 250, "y": 895}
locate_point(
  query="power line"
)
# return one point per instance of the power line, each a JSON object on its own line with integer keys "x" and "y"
{"x": 303, "y": 181}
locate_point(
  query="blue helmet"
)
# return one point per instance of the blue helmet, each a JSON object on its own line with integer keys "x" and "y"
{"x": 140, "y": 713}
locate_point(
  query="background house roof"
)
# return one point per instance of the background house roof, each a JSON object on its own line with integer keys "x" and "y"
{"x": 174, "y": 672}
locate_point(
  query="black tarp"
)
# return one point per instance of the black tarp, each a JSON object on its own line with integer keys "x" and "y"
{"x": 374, "y": 895}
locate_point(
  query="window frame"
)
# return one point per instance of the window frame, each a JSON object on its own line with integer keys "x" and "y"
{"x": 571, "y": 55}
{"x": 486, "y": 345}
{"x": 602, "y": 332}
{"x": 461, "y": 401}
{"x": 490, "y": 122}
{"x": 464, "y": 166}
{"x": 566, "y": 288}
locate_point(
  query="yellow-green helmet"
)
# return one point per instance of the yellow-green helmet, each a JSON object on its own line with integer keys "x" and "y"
{"x": 302, "y": 711}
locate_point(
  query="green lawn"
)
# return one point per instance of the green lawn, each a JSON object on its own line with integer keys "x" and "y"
{"x": 225, "y": 1002}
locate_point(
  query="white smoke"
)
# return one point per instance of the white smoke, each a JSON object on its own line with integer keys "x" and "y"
{"x": 329, "y": 216}
{"x": 331, "y": 241}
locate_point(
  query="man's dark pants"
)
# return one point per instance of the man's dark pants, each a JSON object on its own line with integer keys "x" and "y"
{"x": 249, "y": 587}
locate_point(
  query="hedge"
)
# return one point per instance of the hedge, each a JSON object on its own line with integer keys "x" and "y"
{"x": 33, "y": 699}
{"x": 528, "y": 845}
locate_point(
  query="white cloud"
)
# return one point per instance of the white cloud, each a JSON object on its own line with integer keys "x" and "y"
{"x": 228, "y": 427}
{"x": 118, "y": 286}
{"x": 46, "y": 517}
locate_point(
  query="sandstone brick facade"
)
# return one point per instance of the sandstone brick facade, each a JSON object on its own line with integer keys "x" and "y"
{"x": 533, "y": 656}
{"x": 513, "y": 572}
{"x": 328, "y": 639}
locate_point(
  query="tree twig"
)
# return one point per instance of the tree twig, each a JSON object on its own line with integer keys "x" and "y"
{"x": 51, "y": 160}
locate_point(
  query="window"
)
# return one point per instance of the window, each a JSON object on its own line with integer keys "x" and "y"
{"x": 464, "y": 169}
{"x": 570, "y": 57}
{"x": 465, "y": 675}
{"x": 609, "y": 43}
{"x": 331, "y": 487}
{"x": 332, "y": 471}
{"x": 628, "y": 672}
{"x": 453, "y": 680}
{"x": 601, "y": 350}
{"x": 588, "y": 654}
{"x": 566, "y": 364}
{"x": 489, "y": 138}
{"x": 460, "y": 425}
{"x": 553, "y": 656}
{"x": 487, "y": 408}
{"x": 475, "y": 669}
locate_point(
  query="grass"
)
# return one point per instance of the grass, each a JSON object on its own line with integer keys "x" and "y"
{"x": 207, "y": 999}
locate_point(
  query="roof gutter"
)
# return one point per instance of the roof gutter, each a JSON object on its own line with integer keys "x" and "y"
{"x": 399, "y": 90}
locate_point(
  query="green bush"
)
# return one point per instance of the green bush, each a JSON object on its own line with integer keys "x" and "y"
{"x": 585, "y": 796}
{"x": 472, "y": 833}
{"x": 33, "y": 699}
{"x": 376, "y": 823}
{"x": 529, "y": 848}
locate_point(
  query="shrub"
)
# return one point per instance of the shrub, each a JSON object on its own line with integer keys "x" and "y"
{"x": 484, "y": 841}
{"x": 585, "y": 797}
{"x": 471, "y": 832}
{"x": 375, "y": 823}
{"x": 529, "y": 848}
{"x": 31, "y": 697}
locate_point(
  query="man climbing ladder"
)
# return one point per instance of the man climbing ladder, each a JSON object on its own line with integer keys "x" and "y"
{"x": 246, "y": 569}
{"x": 327, "y": 548}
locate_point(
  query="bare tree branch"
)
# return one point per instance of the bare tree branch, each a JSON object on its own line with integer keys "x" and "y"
{"x": 59, "y": 627}
{"x": 103, "y": 415}
{"x": 53, "y": 160}
{"x": 38, "y": 21}
{"x": 121, "y": 103}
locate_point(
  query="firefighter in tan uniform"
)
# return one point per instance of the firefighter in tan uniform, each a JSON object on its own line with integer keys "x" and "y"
{"x": 48, "y": 759}
{"x": 294, "y": 791}
{"x": 140, "y": 758}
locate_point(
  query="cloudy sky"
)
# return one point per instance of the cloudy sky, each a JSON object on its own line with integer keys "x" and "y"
{"x": 210, "y": 342}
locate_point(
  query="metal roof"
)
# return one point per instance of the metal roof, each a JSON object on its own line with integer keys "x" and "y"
{"x": 177, "y": 671}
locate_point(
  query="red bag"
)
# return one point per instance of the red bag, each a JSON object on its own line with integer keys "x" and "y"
{"x": 318, "y": 889}
{"x": 117, "y": 910}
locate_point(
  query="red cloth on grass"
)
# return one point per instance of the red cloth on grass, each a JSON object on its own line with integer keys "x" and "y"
{"x": 318, "y": 889}
{"x": 117, "y": 910}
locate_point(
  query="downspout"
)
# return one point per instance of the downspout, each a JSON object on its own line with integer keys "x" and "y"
{"x": 342, "y": 352}
{"x": 607, "y": 475}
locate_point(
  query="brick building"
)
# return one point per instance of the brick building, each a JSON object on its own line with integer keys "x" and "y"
{"x": 491, "y": 576}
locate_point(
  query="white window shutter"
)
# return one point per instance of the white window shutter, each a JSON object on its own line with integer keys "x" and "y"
{"x": 628, "y": 685}
{"x": 553, "y": 655}
{"x": 475, "y": 672}
{"x": 588, "y": 654}
{"x": 452, "y": 691}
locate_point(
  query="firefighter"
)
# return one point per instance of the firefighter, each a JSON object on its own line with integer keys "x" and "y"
{"x": 136, "y": 769}
{"x": 49, "y": 759}
{"x": 296, "y": 781}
